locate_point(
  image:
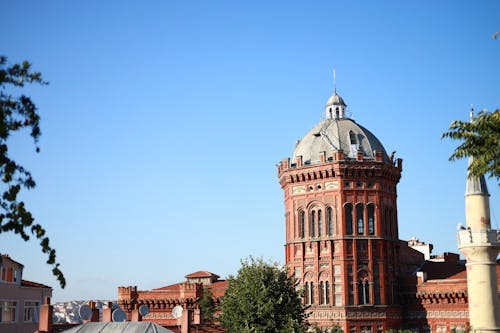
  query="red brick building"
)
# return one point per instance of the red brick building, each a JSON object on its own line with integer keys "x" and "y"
{"x": 161, "y": 301}
{"x": 342, "y": 241}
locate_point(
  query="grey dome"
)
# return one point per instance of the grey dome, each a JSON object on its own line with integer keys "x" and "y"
{"x": 331, "y": 135}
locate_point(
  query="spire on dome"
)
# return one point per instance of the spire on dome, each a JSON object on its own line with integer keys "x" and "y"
{"x": 334, "y": 83}
{"x": 335, "y": 106}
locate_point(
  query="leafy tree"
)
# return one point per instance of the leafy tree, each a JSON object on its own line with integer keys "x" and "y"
{"x": 207, "y": 305}
{"x": 336, "y": 329}
{"x": 261, "y": 298}
{"x": 481, "y": 141}
{"x": 18, "y": 112}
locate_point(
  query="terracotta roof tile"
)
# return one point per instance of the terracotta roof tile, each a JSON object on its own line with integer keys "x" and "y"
{"x": 32, "y": 284}
{"x": 201, "y": 274}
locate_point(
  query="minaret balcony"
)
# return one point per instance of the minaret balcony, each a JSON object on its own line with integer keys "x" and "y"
{"x": 469, "y": 238}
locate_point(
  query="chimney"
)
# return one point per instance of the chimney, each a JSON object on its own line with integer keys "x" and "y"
{"x": 322, "y": 157}
{"x": 95, "y": 312}
{"x": 197, "y": 317}
{"x": 339, "y": 155}
{"x": 359, "y": 155}
{"x": 299, "y": 161}
{"x": 136, "y": 316}
{"x": 185, "y": 320}
{"x": 46, "y": 312}
{"x": 107, "y": 313}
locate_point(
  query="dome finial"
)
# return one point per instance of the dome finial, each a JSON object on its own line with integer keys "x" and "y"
{"x": 335, "y": 106}
{"x": 334, "y": 82}
{"x": 471, "y": 114}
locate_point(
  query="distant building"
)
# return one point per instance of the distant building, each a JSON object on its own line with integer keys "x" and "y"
{"x": 161, "y": 301}
{"x": 19, "y": 299}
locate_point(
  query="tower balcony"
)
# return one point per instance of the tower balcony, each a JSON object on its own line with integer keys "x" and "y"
{"x": 480, "y": 238}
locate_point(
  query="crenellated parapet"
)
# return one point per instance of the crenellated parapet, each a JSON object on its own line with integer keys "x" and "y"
{"x": 127, "y": 293}
{"x": 293, "y": 173}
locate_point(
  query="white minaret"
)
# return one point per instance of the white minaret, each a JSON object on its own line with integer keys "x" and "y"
{"x": 480, "y": 245}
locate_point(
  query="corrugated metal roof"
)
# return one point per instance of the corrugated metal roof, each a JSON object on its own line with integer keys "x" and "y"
{"x": 122, "y": 327}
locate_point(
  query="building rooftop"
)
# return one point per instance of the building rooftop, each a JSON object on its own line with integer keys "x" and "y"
{"x": 332, "y": 135}
{"x": 202, "y": 274}
{"x": 25, "y": 283}
{"x": 121, "y": 327}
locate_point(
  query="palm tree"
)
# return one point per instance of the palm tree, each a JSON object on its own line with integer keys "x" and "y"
{"x": 481, "y": 142}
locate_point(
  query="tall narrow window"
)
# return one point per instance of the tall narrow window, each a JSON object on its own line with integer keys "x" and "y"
{"x": 376, "y": 279}
{"x": 329, "y": 220}
{"x": 363, "y": 288}
{"x": 348, "y": 219}
{"x": 31, "y": 312}
{"x": 371, "y": 219}
{"x": 327, "y": 292}
{"x": 320, "y": 223}
{"x": 312, "y": 224}
{"x": 360, "y": 219}
{"x": 306, "y": 293}
{"x": 321, "y": 293}
{"x": 311, "y": 292}
{"x": 10, "y": 274}
{"x": 302, "y": 225}
{"x": 8, "y": 311}
{"x": 350, "y": 285}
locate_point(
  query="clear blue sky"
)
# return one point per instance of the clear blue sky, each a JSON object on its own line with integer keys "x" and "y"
{"x": 164, "y": 120}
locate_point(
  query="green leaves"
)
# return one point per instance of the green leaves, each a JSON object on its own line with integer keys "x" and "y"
{"x": 262, "y": 298}
{"x": 481, "y": 139}
{"x": 207, "y": 305}
{"x": 16, "y": 113}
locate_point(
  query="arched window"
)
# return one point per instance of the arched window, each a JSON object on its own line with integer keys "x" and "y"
{"x": 309, "y": 293}
{"x": 312, "y": 224}
{"x": 320, "y": 223}
{"x": 348, "y": 218}
{"x": 329, "y": 220}
{"x": 363, "y": 288}
{"x": 360, "y": 219}
{"x": 324, "y": 292}
{"x": 371, "y": 219}
{"x": 302, "y": 224}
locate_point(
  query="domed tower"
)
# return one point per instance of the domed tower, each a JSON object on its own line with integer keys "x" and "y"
{"x": 341, "y": 223}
